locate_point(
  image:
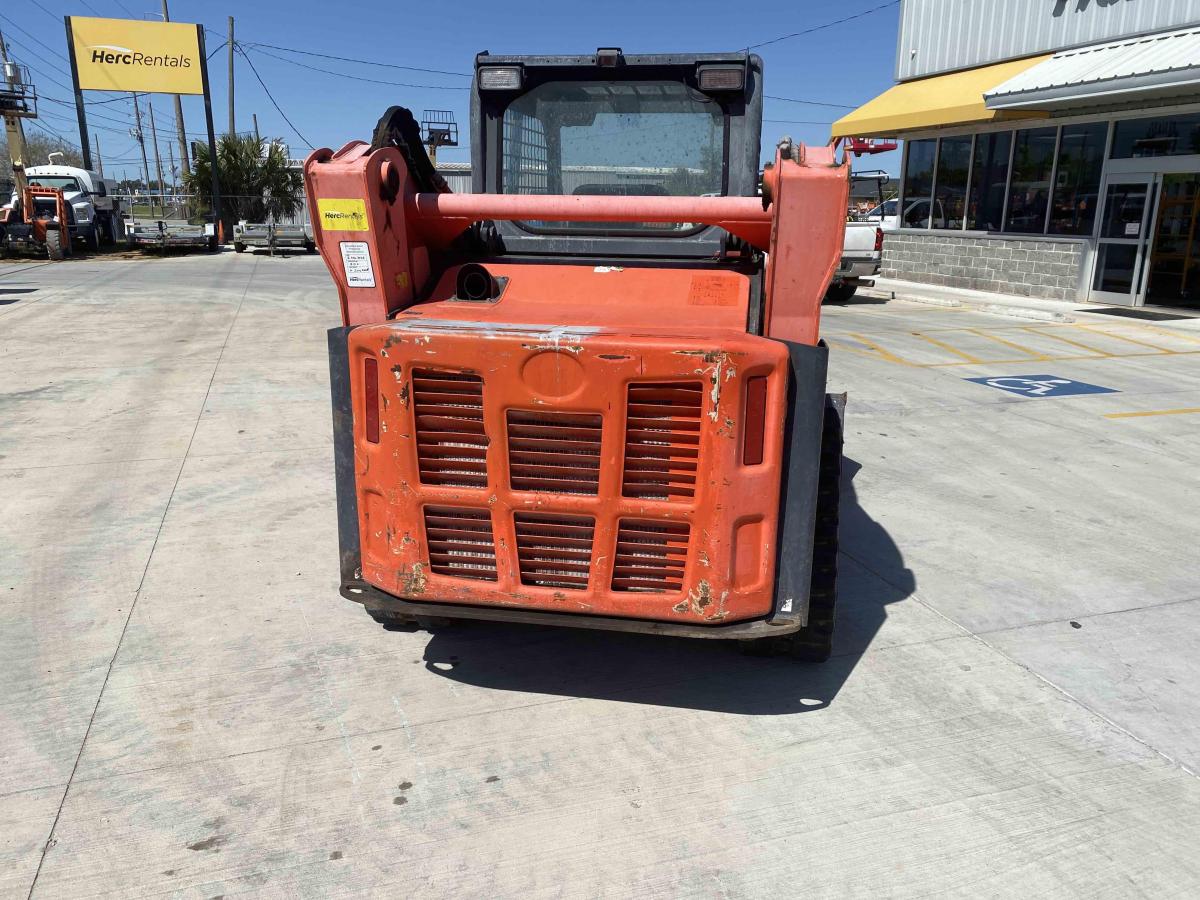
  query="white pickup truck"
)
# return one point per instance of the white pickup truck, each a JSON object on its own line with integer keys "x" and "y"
{"x": 862, "y": 255}
{"x": 862, "y": 249}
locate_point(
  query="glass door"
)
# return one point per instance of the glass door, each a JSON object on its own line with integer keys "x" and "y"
{"x": 1173, "y": 271}
{"x": 1123, "y": 243}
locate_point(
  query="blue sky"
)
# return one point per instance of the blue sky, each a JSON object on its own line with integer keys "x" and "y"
{"x": 844, "y": 64}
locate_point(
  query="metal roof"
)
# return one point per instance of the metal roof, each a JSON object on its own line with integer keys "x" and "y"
{"x": 1156, "y": 64}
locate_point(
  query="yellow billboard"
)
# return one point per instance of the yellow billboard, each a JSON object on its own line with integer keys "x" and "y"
{"x": 127, "y": 55}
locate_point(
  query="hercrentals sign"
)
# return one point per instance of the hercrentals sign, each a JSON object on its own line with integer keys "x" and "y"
{"x": 126, "y": 55}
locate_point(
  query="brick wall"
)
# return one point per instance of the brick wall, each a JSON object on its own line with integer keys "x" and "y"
{"x": 1045, "y": 268}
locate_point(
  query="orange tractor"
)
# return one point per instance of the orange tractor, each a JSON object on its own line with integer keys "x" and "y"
{"x": 592, "y": 392}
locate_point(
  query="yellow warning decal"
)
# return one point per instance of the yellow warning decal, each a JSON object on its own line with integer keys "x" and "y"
{"x": 342, "y": 215}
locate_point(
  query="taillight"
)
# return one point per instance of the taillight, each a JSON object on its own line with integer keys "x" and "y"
{"x": 371, "y": 399}
{"x": 755, "y": 420}
{"x": 878, "y": 240}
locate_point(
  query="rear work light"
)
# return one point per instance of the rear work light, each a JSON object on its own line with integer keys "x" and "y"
{"x": 755, "y": 419}
{"x": 500, "y": 78}
{"x": 371, "y": 399}
{"x": 721, "y": 78}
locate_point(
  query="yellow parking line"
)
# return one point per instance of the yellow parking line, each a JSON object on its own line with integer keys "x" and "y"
{"x": 991, "y": 337}
{"x": 1121, "y": 337}
{"x": 1051, "y": 359}
{"x": 1171, "y": 332}
{"x": 967, "y": 356}
{"x": 1154, "y": 412}
{"x": 882, "y": 354}
{"x": 1046, "y": 333}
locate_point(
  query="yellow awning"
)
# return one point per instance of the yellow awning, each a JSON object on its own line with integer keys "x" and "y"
{"x": 953, "y": 99}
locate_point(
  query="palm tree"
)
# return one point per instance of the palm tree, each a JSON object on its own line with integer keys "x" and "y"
{"x": 256, "y": 183}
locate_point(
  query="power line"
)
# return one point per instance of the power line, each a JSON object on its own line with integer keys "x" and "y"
{"x": 788, "y": 37}
{"x": 810, "y": 102}
{"x": 38, "y": 125}
{"x": 27, "y": 34}
{"x": 46, "y": 11}
{"x": 430, "y": 87}
{"x": 364, "y": 62}
{"x": 267, "y": 91}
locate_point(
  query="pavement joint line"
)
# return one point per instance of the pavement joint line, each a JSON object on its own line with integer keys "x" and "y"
{"x": 19, "y": 268}
{"x": 408, "y": 726}
{"x": 49, "y": 842}
{"x": 1154, "y": 412}
{"x": 53, "y": 292}
{"x": 1148, "y": 607}
{"x": 1058, "y": 422}
{"x": 115, "y": 462}
{"x": 403, "y": 727}
{"x": 978, "y": 638}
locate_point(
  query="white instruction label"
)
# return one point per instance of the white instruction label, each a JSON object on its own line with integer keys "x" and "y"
{"x": 356, "y": 259}
{"x": 1132, "y": 229}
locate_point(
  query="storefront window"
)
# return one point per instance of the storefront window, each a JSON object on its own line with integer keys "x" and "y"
{"x": 950, "y": 199}
{"x": 989, "y": 175}
{"x": 1077, "y": 182}
{"x": 1029, "y": 193}
{"x": 918, "y": 183}
{"x": 1174, "y": 136}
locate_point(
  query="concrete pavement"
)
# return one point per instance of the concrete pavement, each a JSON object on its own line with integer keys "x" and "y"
{"x": 190, "y": 709}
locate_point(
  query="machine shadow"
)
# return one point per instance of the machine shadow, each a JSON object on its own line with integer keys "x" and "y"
{"x": 682, "y": 673}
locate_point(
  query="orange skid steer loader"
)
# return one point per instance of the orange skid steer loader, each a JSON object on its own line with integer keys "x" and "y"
{"x": 591, "y": 393}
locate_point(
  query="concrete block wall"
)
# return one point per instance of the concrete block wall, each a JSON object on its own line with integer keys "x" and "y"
{"x": 1050, "y": 269}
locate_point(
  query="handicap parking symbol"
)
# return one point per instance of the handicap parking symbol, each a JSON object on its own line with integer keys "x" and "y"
{"x": 1042, "y": 385}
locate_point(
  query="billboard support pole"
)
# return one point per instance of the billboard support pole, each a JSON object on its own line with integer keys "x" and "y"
{"x": 212, "y": 138}
{"x": 84, "y": 144}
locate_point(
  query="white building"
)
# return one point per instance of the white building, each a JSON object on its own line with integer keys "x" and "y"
{"x": 1051, "y": 147}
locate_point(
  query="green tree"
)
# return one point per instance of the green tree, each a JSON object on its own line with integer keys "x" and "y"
{"x": 256, "y": 183}
{"x": 38, "y": 148}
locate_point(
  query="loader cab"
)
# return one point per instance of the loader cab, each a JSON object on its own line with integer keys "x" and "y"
{"x": 612, "y": 124}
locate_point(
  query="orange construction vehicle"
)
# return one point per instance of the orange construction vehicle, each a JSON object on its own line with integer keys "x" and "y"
{"x": 592, "y": 392}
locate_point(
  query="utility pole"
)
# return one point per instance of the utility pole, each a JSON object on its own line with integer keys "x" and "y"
{"x": 257, "y": 136}
{"x": 232, "y": 126}
{"x": 171, "y": 171}
{"x": 157, "y": 159}
{"x": 141, "y": 139}
{"x": 99, "y": 158}
{"x": 183, "y": 147}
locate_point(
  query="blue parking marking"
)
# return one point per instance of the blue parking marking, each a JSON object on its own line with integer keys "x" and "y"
{"x": 1042, "y": 385}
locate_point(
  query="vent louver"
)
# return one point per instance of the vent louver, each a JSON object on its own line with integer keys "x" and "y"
{"x": 554, "y": 550}
{"x": 650, "y": 556}
{"x": 554, "y": 451}
{"x": 460, "y": 542}
{"x": 451, "y": 442}
{"x": 662, "y": 440}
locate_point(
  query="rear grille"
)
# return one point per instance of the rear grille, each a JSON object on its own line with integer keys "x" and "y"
{"x": 650, "y": 556}
{"x": 662, "y": 440}
{"x": 451, "y": 442}
{"x": 554, "y": 550}
{"x": 460, "y": 542}
{"x": 554, "y": 451}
